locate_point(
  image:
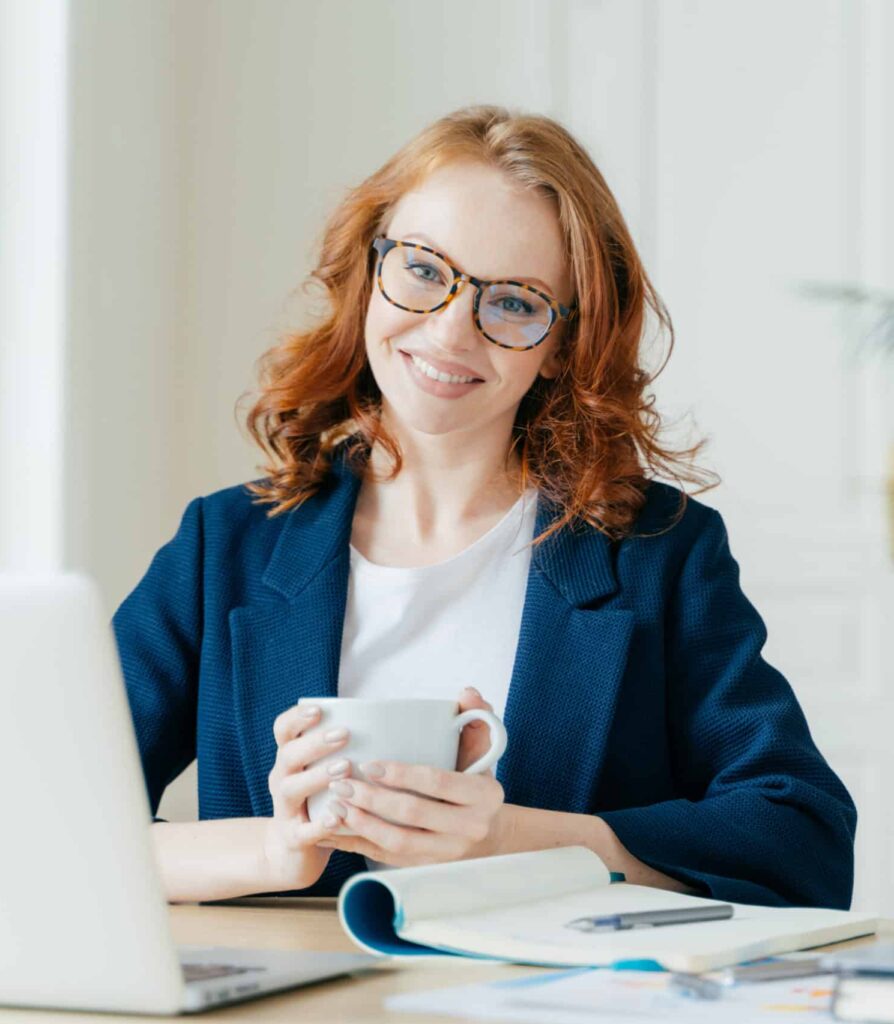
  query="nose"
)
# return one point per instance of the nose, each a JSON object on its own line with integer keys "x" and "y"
{"x": 452, "y": 326}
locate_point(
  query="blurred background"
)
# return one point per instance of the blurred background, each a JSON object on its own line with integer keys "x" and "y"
{"x": 166, "y": 167}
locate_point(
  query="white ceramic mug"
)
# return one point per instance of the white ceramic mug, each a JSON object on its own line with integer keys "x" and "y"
{"x": 416, "y": 731}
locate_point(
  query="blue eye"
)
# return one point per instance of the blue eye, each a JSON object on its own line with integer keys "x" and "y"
{"x": 520, "y": 306}
{"x": 425, "y": 268}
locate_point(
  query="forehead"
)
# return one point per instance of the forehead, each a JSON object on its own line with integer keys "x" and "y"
{"x": 486, "y": 224}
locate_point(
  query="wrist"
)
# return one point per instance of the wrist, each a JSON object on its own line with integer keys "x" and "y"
{"x": 518, "y": 829}
{"x": 606, "y": 845}
{"x": 212, "y": 860}
{"x": 503, "y": 834}
{"x": 500, "y": 838}
{"x": 269, "y": 866}
{"x": 280, "y": 868}
{"x": 616, "y": 857}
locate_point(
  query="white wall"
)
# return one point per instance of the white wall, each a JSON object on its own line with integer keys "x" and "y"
{"x": 210, "y": 139}
{"x": 125, "y": 421}
{"x": 34, "y": 223}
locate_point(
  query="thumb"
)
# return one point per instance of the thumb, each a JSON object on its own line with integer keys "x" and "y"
{"x": 470, "y": 698}
{"x": 475, "y": 738}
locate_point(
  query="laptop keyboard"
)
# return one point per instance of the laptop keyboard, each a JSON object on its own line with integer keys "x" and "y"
{"x": 207, "y": 972}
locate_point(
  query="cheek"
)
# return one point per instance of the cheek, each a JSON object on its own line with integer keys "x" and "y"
{"x": 384, "y": 321}
{"x": 521, "y": 369}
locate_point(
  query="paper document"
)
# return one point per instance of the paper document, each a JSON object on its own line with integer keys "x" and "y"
{"x": 603, "y": 996}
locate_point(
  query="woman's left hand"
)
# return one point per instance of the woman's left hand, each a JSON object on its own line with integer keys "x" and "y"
{"x": 433, "y": 815}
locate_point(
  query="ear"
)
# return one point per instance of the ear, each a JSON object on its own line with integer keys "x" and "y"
{"x": 551, "y": 365}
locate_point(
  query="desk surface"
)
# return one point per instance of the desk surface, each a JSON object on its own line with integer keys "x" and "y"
{"x": 311, "y": 924}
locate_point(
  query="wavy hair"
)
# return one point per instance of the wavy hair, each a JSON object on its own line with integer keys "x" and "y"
{"x": 586, "y": 439}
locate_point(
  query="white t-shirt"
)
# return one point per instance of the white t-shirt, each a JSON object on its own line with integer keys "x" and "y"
{"x": 428, "y": 631}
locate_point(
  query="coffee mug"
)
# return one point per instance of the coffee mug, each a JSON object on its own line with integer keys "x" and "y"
{"x": 416, "y": 731}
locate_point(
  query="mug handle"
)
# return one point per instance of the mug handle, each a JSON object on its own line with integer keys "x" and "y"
{"x": 498, "y": 737}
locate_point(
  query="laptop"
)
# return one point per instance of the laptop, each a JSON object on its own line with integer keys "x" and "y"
{"x": 84, "y": 922}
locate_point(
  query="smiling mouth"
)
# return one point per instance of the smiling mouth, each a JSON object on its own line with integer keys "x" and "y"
{"x": 433, "y": 374}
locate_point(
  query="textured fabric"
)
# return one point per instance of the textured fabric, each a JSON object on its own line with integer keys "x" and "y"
{"x": 430, "y": 630}
{"x": 638, "y": 692}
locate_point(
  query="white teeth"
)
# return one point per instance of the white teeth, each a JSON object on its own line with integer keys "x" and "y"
{"x": 446, "y": 378}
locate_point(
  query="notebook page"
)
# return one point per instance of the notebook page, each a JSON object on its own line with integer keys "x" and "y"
{"x": 487, "y": 884}
{"x": 536, "y": 932}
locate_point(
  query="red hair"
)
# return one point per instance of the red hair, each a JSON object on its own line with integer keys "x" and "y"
{"x": 587, "y": 439}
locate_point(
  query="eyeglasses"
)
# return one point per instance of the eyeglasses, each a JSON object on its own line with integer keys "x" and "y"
{"x": 420, "y": 280}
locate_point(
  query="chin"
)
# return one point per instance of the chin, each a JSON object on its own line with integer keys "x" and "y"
{"x": 428, "y": 423}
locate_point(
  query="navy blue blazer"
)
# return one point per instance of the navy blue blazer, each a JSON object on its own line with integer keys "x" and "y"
{"x": 638, "y": 691}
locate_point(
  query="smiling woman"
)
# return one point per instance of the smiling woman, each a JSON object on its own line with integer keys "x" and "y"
{"x": 463, "y": 462}
{"x": 516, "y": 201}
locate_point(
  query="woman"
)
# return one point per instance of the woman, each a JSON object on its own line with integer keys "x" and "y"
{"x": 476, "y": 386}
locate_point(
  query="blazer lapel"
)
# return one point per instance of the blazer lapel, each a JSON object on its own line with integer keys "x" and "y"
{"x": 288, "y": 649}
{"x": 568, "y": 668}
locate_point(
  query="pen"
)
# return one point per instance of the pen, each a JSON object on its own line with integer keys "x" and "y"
{"x": 695, "y": 985}
{"x": 652, "y": 918}
{"x": 701, "y": 987}
{"x": 770, "y": 970}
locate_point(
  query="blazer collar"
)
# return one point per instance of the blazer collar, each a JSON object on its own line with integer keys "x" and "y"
{"x": 578, "y": 562}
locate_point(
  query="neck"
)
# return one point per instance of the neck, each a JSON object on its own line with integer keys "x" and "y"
{"x": 447, "y": 482}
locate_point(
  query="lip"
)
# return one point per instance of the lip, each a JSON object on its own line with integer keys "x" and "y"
{"x": 438, "y": 388}
{"x": 456, "y": 369}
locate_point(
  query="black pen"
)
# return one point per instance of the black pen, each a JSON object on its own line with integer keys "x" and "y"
{"x": 652, "y": 918}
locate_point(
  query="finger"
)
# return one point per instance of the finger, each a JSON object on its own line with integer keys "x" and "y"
{"x": 298, "y": 835}
{"x": 295, "y": 788}
{"x": 470, "y": 698}
{"x": 297, "y": 754}
{"x": 452, "y": 787}
{"x": 411, "y": 844}
{"x": 356, "y": 844}
{"x": 293, "y": 721}
{"x": 294, "y": 757}
{"x": 407, "y": 808}
{"x": 475, "y": 738}
{"x": 474, "y": 743}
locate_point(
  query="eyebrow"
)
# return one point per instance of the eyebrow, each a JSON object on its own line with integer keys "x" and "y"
{"x": 524, "y": 280}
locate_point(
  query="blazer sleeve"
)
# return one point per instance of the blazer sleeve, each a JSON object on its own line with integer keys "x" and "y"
{"x": 761, "y": 817}
{"x": 158, "y": 630}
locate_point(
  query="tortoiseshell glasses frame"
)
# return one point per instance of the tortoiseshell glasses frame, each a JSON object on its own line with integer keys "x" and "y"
{"x": 383, "y": 246}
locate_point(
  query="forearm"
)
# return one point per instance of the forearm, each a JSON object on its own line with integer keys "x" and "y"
{"x": 212, "y": 860}
{"x": 528, "y": 828}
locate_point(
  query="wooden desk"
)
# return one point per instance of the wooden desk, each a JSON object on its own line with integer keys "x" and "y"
{"x": 311, "y": 924}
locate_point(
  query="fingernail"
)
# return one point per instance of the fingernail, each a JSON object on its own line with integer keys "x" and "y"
{"x": 310, "y": 712}
{"x": 473, "y": 691}
{"x": 373, "y": 769}
{"x": 342, "y": 788}
{"x": 334, "y": 735}
{"x": 336, "y": 809}
{"x": 330, "y": 822}
{"x": 339, "y": 767}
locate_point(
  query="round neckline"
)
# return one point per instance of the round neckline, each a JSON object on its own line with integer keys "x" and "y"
{"x": 510, "y": 515}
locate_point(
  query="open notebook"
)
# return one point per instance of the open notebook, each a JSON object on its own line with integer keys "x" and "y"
{"x": 515, "y": 907}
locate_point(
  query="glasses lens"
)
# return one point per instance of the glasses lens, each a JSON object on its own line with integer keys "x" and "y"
{"x": 512, "y": 315}
{"x": 415, "y": 279}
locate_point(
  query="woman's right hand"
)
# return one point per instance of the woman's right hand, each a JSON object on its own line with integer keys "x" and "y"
{"x": 290, "y": 840}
